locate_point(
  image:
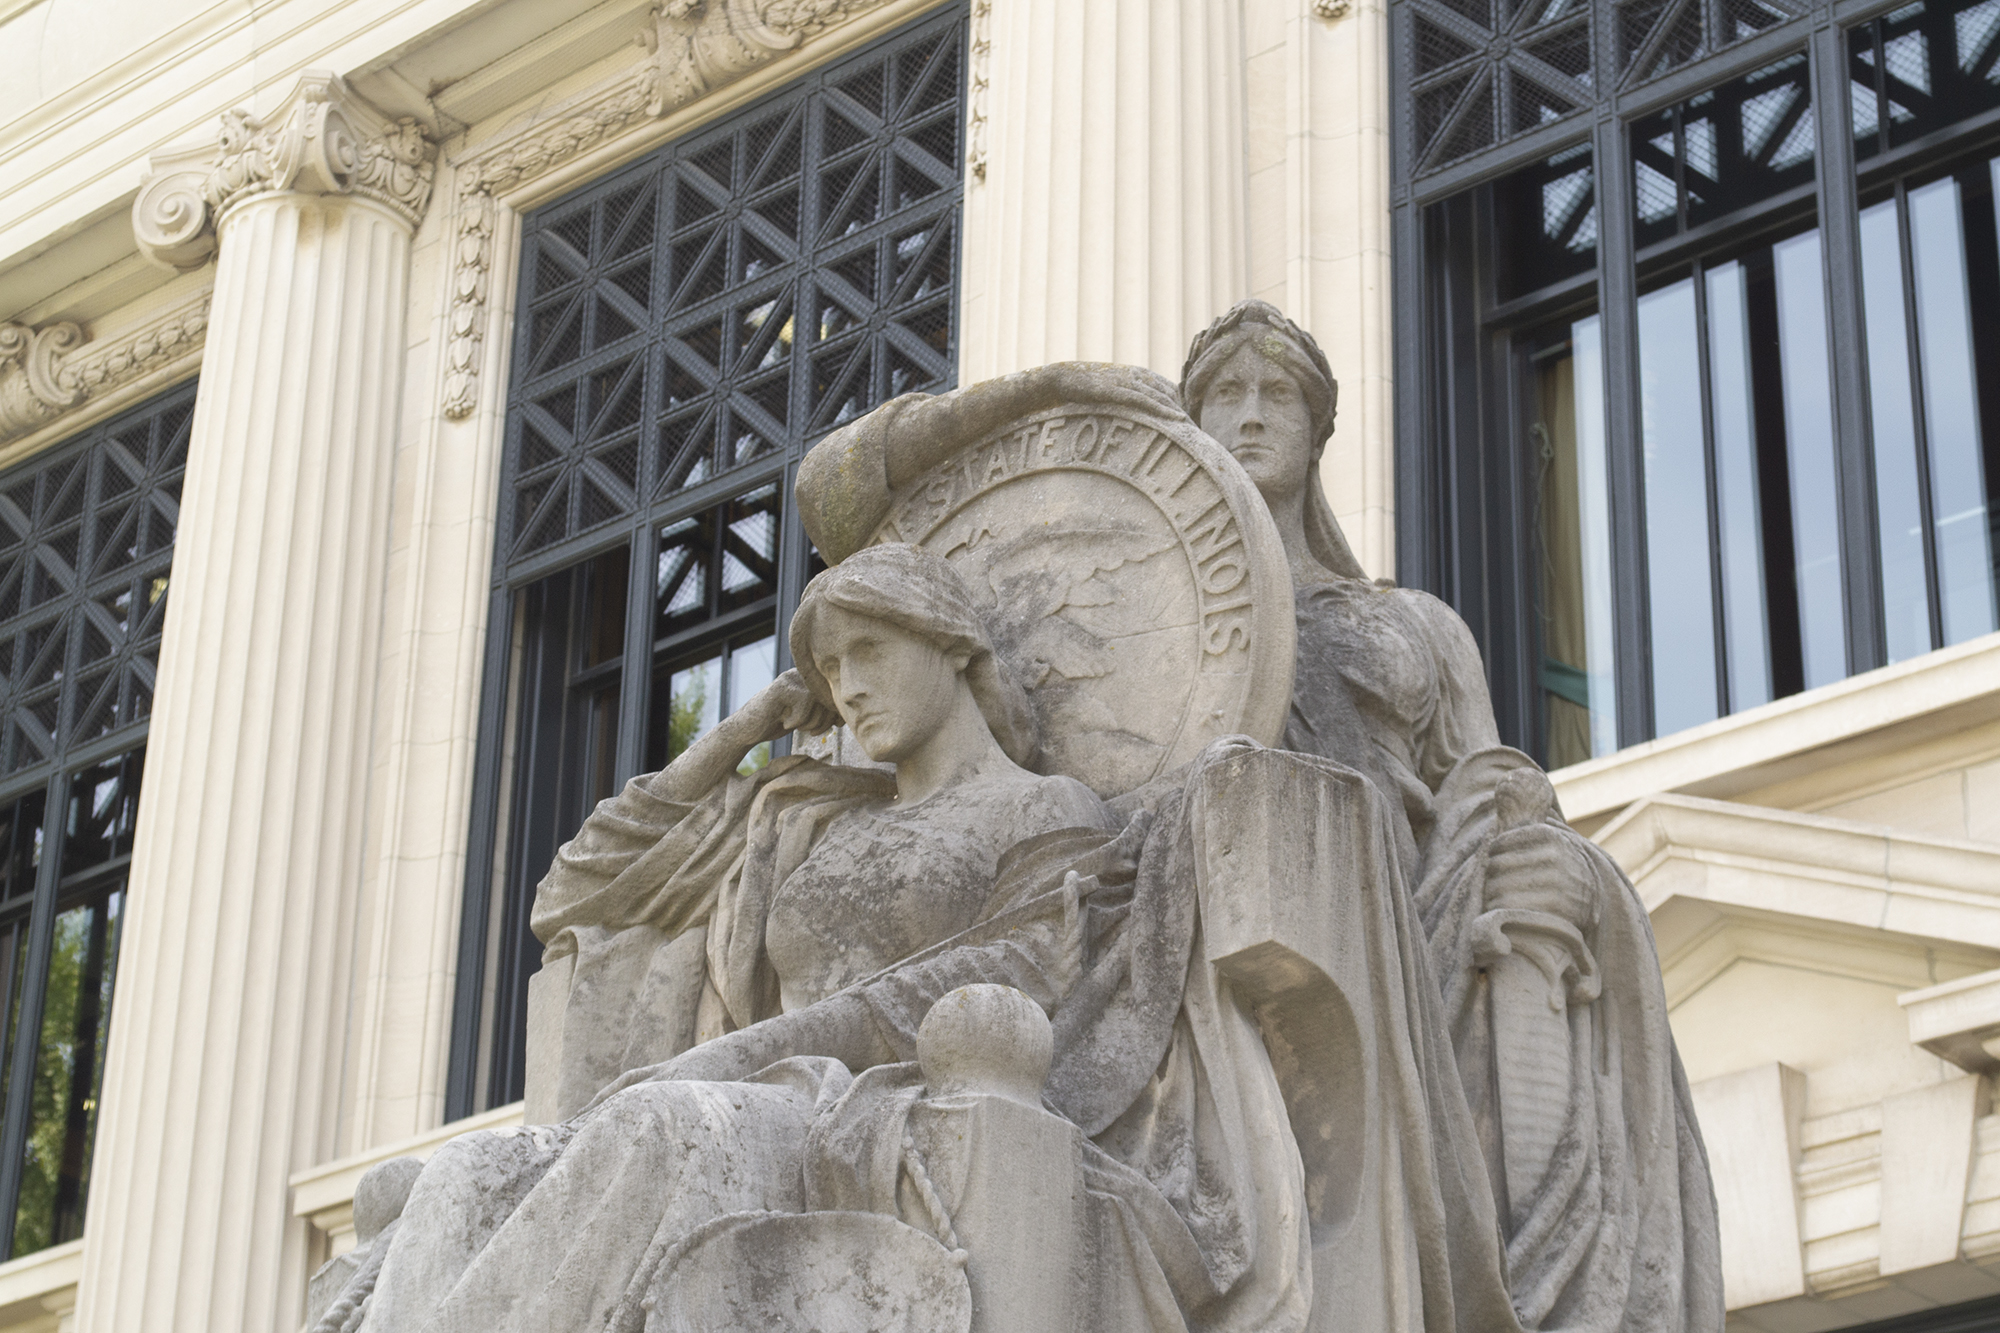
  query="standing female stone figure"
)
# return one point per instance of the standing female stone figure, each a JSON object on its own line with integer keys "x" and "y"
{"x": 1600, "y": 1180}
{"x": 1538, "y": 949}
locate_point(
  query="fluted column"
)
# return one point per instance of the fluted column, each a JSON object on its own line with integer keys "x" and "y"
{"x": 1105, "y": 206}
{"x": 229, "y": 996}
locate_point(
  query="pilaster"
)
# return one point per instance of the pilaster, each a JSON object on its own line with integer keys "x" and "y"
{"x": 1318, "y": 238}
{"x": 232, "y": 986}
{"x": 1104, "y": 209}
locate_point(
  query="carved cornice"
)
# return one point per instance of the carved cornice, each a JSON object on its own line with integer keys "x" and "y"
{"x": 47, "y": 372}
{"x": 321, "y": 140}
{"x": 693, "y": 48}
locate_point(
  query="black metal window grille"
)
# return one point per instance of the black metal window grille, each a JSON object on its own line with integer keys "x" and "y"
{"x": 1630, "y": 296}
{"x": 86, "y": 546}
{"x": 688, "y": 327}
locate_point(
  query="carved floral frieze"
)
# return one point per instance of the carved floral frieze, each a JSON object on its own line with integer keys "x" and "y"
{"x": 693, "y": 47}
{"x": 322, "y": 140}
{"x": 48, "y": 371}
{"x": 978, "y": 88}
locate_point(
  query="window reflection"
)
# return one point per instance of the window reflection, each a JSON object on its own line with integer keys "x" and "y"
{"x": 1737, "y": 465}
{"x": 69, "y": 1071}
{"x": 1579, "y": 685}
{"x": 690, "y": 697}
{"x": 1680, "y": 579}
{"x": 1723, "y": 150}
{"x": 1547, "y": 219}
{"x": 1930, "y": 281}
{"x": 1740, "y": 544}
{"x": 1921, "y": 68}
{"x": 1806, "y": 428}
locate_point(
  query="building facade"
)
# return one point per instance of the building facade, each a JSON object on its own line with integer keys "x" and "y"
{"x": 399, "y": 401}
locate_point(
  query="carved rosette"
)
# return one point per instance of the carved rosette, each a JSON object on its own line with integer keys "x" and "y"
{"x": 693, "y": 48}
{"x": 48, "y": 371}
{"x": 321, "y": 140}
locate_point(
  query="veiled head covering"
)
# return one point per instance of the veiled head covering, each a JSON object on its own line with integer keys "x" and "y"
{"x": 921, "y": 594}
{"x": 1260, "y": 325}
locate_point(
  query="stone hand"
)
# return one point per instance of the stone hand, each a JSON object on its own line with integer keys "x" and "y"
{"x": 782, "y": 706}
{"x": 1106, "y": 384}
{"x": 786, "y": 705}
{"x": 1541, "y": 867}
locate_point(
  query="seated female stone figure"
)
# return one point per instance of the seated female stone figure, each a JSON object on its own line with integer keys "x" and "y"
{"x": 825, "y": 895}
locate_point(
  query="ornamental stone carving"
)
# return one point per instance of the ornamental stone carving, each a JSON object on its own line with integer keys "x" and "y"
{"x": 1192, "y": 957}
{"x": 47, "y": 372}
{"x": 321, "y": 140}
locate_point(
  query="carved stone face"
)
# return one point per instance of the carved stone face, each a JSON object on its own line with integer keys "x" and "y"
{"x": 894, "y": 690}
{"x": 1253, "y": 408}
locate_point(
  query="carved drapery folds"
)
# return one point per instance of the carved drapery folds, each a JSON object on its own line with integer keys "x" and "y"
{"x": 48, "y": 371}
{"x": 322, "y": 139}
{"x": 693, "y": 47}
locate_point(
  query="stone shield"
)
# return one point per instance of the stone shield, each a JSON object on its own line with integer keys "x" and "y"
{"x": 1131, "y": 577}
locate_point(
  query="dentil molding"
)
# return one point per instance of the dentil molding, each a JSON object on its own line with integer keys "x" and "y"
{"x": 693, "y": 47}
{"x": 322, "y": 139}
{"x": 55, "y": 369}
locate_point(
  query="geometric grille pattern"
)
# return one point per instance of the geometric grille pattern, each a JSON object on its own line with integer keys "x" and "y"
{"x": 738, "y": 293}
{"x": 1655, "y": 36}
{"x": 1487, "y": 70}
{"x": 86, "y": 541}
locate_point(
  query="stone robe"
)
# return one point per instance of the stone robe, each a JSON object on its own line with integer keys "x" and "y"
{"x": 1622, "y": 1233}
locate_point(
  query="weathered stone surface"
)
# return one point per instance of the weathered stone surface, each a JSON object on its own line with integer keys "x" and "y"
{"x": 825, "y": 1272}
{"x": 1351, "y": 1034}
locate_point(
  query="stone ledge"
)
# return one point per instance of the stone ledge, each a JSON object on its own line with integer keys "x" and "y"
{"x": 38, "y": 1287}
{"x": 324, "y": 1194}
{"x": 1886, "y": 709}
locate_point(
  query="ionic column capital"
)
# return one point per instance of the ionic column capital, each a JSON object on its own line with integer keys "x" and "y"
{"x": 323, "y": 139}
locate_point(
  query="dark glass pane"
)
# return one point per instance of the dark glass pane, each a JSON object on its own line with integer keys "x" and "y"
{"x": 601, "y": 628}
{"x": 21, "y": 831}
{"x": 1547, "y": 221}
{"x": 69, "y": 1070}
{"x": 1580, "y": 704}
{"x": 749, "y": 530}
{"x": 102, "y": 812}
{"x": 13, "y": 968}
{"x": 1723, "y": 150}
{"x": 1922, "y": 68}
{"x": 683, "y": 574}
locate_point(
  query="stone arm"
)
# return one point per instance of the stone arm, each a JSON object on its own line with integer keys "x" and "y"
{"x": 1036, "y": 947}
{"x": 847, "y": 481}
{"x": 612, "y": 872}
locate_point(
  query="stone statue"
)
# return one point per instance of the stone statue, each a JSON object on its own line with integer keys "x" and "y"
{"x": 1204, "y": 963}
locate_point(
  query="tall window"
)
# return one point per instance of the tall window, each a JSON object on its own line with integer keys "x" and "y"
{"x": 689, "y": 327}
{"x": 86, "y": 542}
{"x": 1706, "y": 296}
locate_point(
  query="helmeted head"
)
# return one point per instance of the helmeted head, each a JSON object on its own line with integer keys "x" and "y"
{"x": 1259, "y": 384}
{"x": 884, "y": 637}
